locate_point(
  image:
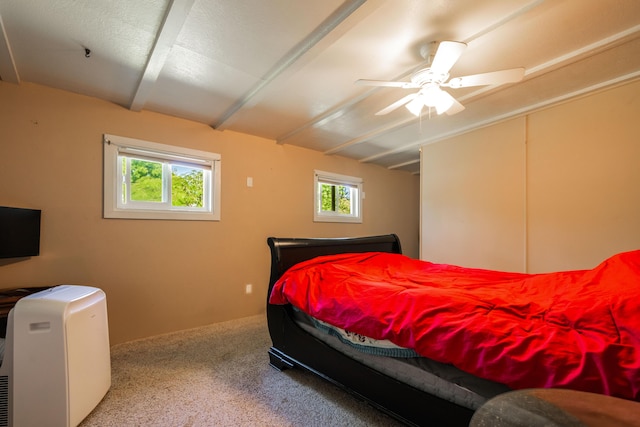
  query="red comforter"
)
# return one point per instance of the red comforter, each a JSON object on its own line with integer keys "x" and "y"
{"x": 572, "y": 329}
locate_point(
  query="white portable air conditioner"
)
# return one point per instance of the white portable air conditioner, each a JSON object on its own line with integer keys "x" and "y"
{"x": 56, "y": 366}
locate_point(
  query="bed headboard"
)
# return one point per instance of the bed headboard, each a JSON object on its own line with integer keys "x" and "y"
{"x": 286, "y": 252}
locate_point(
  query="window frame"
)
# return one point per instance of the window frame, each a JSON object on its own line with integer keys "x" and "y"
{"x": 117, "y": 146}
{"x": 322, "y": 177}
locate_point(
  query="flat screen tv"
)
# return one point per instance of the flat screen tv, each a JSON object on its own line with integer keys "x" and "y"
{"x": 19, "y": 232}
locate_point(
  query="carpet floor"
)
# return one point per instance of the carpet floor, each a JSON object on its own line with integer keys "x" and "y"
{"x": 219, "y": 375}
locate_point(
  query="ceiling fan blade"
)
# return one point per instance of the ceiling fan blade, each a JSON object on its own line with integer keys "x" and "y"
{"x": 494, "y": 78}
{"x": 404, "y": 85}
{"x": 446, "y": 55}
{"x": 397, "y": 104}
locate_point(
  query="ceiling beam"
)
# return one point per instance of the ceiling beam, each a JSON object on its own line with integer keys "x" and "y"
{"x": 328, "y": 25}
{"x": 401, "y": 165}
{"x": 8, "y": 70}
{"x": 171, "y": 26}
{"x": 504, "y": 20}
{"x": 326, "y": 117}
{"x": 370, "y": 135}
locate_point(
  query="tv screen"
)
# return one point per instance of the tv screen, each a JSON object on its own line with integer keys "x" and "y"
{"x": 19, "y": 232}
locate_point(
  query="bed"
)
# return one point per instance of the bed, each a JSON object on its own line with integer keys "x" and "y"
{"x": 433, "y": 391}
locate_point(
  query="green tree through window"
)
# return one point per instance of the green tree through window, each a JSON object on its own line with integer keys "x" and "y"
{"x": 336, "y": 198}
{"x": 187, "y": 186}
{"x": 146, "y": 181}
{"x": 187, "y": 183}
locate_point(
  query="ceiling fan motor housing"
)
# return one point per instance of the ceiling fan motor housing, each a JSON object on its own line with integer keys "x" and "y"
{"x": 425, "y": 76}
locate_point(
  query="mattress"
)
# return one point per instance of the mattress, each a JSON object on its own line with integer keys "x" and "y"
{"x": 439, "y": 379}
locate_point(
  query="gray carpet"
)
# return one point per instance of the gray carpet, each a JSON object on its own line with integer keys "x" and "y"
{"x": 219, "y": 375}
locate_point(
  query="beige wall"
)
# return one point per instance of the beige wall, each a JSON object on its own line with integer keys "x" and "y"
{"x": 554, "y": 190}
{"x": 161, "y": 276}
{"x": 473, "y": 199}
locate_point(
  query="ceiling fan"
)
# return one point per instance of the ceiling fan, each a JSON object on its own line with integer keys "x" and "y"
{"x": 431, "y": 79}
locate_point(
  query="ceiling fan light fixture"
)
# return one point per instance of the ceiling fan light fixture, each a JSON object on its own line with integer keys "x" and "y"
{"x": 415, "y": 106}
{"x": 436, "y": 98}
{"x": 443, "y": 102}
{"x": 432, "y": 97}
{"x": 443, "y": 107}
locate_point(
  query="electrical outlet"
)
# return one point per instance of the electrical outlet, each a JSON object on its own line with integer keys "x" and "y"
{"x": 248, "y": 288}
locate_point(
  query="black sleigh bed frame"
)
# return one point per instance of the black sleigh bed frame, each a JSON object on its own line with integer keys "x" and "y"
{"x": 294, "y": 347}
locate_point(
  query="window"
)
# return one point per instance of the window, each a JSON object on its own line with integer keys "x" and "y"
{"x": 338, "y": 198}
{"x": 148, "y": 180}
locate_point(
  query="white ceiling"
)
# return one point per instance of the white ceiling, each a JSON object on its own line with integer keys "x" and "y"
{"x": 285, "y": 69}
